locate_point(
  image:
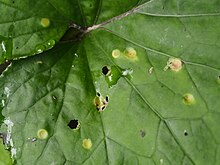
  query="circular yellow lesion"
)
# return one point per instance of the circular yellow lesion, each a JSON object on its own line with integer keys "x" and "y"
{"x": 175, "y": 64}
{"x": 130, "y": 53}
{"x": 188, "y": 99}
{"x": 42, "y": 134}
{"x": 87, "y": 143}
{"x": 45, "y": 22}
{"x": 116, "y": 53}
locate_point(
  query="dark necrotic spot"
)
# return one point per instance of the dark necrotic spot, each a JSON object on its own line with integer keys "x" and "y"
{"x": 185, "y": 133}
{"x": 106, "y": 98}
{"x": 98, "y": 94}
{"x": 73, "y": 124}
{"x": 103, "y": 108}
{"x": 142, "y": 133}
{"x": 105, "y": 70}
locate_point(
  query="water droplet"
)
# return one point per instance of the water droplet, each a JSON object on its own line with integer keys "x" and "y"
{"x": 188, "y": 99}
{"x": 39, "y": 48}
{"x": 50, "y": 44}
{"x": 3, "y": 46}
{"x": 75, "y": 54}
{"x": 87, "y": 143}
{"x": 3, "y": 103}
{"x": 54, "y": 97}
{"x": 39, "y": 62}
{"x": 150, "y": 71}
{"x": 42, "y": 134}
{"x": 45, "y": 22}
{"x": 7, "y": 91}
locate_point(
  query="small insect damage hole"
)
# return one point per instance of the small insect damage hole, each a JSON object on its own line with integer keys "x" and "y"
{"x": 142, "y": 133}
{"x": 74, "y": 124}
{"x": 106, "y": 70}
{"x": 185, "y": 133}
{"x": 100, "y": 102}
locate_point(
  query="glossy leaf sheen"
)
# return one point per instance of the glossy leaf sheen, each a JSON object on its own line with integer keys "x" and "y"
{"x": 146, "y": 120}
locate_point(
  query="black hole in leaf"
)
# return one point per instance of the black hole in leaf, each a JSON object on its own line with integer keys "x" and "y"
{"x": 142, "y": 133}
{"x": 13, "y": 1}
{"x": 98, "y": 94}
{"x": 73, "y": 124}
{"x": 185, "y": 133}
{"x": 219, "y": 77}
{"x": 105, "y": 70}
{"x": 106, "y": 98}
{"x": 103, "y": 108}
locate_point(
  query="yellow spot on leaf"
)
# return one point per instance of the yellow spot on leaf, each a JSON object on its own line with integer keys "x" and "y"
{"x": 45, "y": 22}
{"x": 189, "y": 99}
{"x": 87, "y": 143}
{"x": 42, "y": 134}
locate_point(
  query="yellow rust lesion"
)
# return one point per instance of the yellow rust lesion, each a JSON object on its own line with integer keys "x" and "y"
{"x": 45, "y": 22}
{"x": 175, "y": 64}
{"x": 131, "y": 54}
{"x": 87, "y": 143}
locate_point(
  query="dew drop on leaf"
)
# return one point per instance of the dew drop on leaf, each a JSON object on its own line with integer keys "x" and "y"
{"x": 50, "y": 44}
{"x": 39, "y": 48}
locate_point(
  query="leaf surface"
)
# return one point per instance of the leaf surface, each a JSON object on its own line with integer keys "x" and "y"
{"x": 146, "y": 120}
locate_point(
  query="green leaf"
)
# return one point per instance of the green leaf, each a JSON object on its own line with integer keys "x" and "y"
{"x": 154, "y": 71}
{"x": 29, "y": 27}
{"x": 5, "y": 156}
